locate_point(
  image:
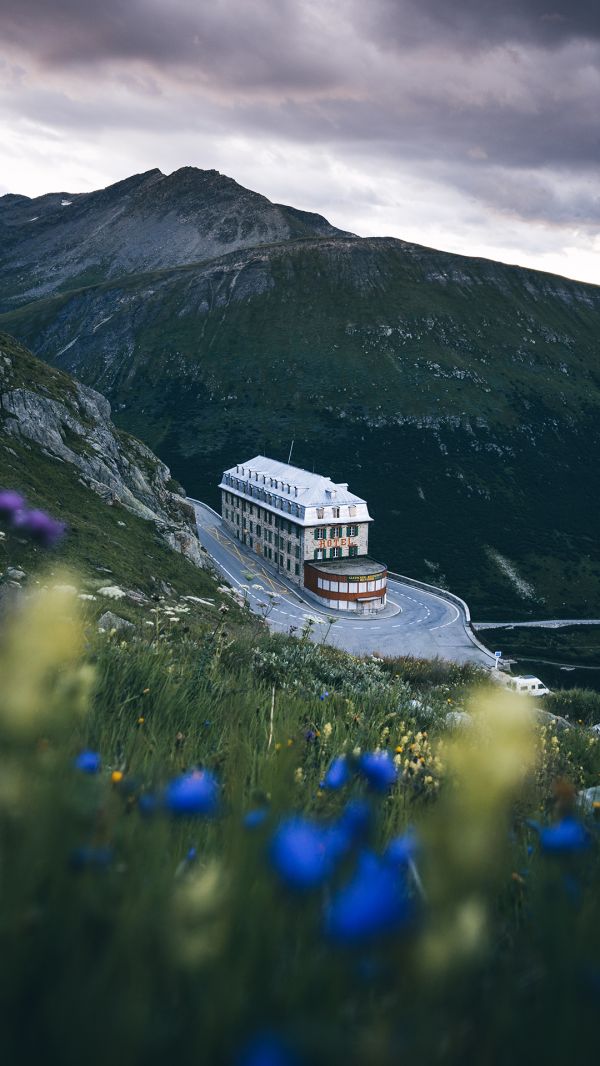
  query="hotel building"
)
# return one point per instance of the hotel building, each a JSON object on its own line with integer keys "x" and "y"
{"x": 309, "y": 529}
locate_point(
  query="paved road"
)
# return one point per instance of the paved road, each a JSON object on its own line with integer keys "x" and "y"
{"x": 549, "y": 623}
{"x": 415, "y": 622}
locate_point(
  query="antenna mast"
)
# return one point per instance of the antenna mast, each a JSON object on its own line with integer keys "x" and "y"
{"x": 290, "y": 455}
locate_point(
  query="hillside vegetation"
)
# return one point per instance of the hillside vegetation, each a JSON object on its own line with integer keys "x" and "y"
{"x": 460, "y": 396}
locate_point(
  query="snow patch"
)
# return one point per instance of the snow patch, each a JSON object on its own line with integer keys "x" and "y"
{"x": 524, "y": 588}
{"x": 66, "y": 203}
{"x": 67, "y": 346}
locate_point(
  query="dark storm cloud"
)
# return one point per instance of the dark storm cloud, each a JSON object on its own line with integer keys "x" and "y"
{"x": 483, "y": 93}
{"x": 249, "y": 43}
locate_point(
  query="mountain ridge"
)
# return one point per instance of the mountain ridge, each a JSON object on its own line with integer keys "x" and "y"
{"x": 459, "y": 395}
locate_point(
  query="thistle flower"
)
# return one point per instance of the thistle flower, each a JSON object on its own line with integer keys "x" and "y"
{"x": 379, "y": 770}
{"x": 39, "y": 526}
{"x": 88, "y": 762}
{"x": 337, "y": 775}
{"x": 375, "y": 902}
{"x": 196, "y": 792}
{"x": 10, "y": 504}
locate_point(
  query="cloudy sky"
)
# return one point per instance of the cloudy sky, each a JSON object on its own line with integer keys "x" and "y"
{"x": 469, "y": 125}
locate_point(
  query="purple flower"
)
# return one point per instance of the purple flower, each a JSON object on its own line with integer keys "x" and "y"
{"x": 566, "y": 836}
{"x": 304, "y": 853}
{"x": 40, "y": 526}
{"x": 338, "y": 774}
{"x": 11, "y": 503}
{"x": 196, "y": 792}
{"x": 379, "y": 770}
{"x": 89, "y": 762}
{"x": 375, "y": 902}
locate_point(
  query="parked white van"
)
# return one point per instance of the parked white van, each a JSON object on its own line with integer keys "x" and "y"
{"x": 529, "y": 684}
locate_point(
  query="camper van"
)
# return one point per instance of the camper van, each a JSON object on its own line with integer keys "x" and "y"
{"x": 528, "y": 684}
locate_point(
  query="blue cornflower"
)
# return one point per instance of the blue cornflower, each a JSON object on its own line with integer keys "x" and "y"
{"x": 89, "y": 762}
{"x": 267, "y": 1050}
{"x": 379, "y": 770}
{"x": 253, "y": 819}
{"x": 323, "y": 696}
{"x": 147, "y": 804}
{"x": 356, "y": 818}
{"x": 338, "y": 774}
{"x": 84, "y": 856}
{"x": 402, "y": 849}
{"x": 566, "y": 836}
{"x": 304, "y": 853}
{"x": 196, "y": 792}
{"x": 373, "y": 903}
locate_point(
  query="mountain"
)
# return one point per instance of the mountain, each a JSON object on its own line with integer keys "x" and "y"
{"x": 125, "y": 514}
{"x": 460, "y": 396}
{"x": 146, "y": 222}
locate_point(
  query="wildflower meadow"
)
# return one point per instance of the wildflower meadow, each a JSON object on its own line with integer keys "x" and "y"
{"x": 220, "y": 846}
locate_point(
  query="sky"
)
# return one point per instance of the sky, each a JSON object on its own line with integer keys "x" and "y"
{"x": 467, "y": 125}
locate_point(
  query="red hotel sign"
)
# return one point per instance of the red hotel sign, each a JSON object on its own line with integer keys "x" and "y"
{"x": 336, "y": 542}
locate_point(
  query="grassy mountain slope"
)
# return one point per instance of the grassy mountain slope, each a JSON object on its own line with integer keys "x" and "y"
{"x": 460, "y": 396}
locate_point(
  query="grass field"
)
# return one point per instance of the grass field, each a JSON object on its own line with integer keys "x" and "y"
{"x": 439, "y": 905}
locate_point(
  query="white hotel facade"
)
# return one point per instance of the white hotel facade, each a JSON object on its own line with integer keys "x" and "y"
{"x": 311, "y": 530}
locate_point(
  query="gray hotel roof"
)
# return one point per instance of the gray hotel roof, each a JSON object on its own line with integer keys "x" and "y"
{"x": 314, "y": 490}
{"x": 308, "y": 498}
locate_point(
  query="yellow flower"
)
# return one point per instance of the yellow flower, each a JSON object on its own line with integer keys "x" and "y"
{"x": 327, "y": 729}
{"x": 116, "y": 776}
{"x": 399, "y": 749}
{"x": 145, "y": 691}
{"x": 141, "y": 720}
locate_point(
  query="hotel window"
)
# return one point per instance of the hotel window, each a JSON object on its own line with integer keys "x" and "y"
{"x": 336, "y": 512}
{"x": 362, "y": 586}
{"x": 320, "y": 583}
{"x": 333, "y": 585}
{"x": 335, "y": 531}
{"x": 317, "y": 534}
{"x": 352, "y": 551}
{"x": 297, "y": 570}
{"x": 320, "y": 512}
{"x": 343, "y": 586}
{"x": 297, "y": 551}
{"x": 371, "y": 586}
{"x": 351, "y": 511}
{"x": 316, "y": 553}
{"x": 258, "y": 532}
{"x": 289, "y": 547}
{"x": 326, "y": 585}
{"x": 335, "y": 553}
{"x": 351, "y": 531}
{"x": 289, "y": 565}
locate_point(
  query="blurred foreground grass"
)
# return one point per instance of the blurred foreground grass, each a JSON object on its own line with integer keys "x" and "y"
{"x": 131, "y": 932}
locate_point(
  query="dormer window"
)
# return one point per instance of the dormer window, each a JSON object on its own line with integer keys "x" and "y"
{"x": 320, "y": 512}
{"x": 336, "y": 512}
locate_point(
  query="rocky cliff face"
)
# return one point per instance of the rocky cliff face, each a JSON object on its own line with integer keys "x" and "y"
{"x": 72, "y": 423}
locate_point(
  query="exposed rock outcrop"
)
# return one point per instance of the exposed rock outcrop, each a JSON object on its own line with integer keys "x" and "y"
{"x": 72, "y": 423}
